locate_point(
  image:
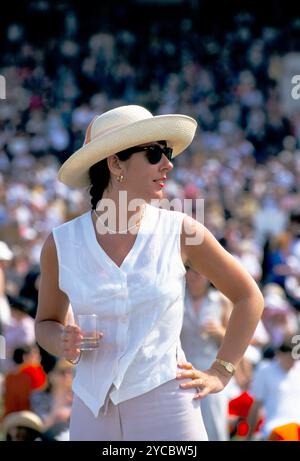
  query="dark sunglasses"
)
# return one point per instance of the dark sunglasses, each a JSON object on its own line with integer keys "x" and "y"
{"x": 154, "y": 152}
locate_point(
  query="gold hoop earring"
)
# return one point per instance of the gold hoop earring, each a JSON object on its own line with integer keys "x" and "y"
{"x": 120, "y": 178}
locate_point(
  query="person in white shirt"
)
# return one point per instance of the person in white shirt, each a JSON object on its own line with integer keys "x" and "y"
{"x": 126, "y": 263}
{"x": 204, "y": 325}
{"x": 20, "y": 331}
{"x": 275, "y": 388}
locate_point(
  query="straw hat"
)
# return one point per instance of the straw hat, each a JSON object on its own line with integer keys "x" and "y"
{"x": 121, "y": 128}
{"x": 22, "y": 419}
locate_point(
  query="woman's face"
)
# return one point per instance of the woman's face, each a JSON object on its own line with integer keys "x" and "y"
{"x": 144, "y": 180}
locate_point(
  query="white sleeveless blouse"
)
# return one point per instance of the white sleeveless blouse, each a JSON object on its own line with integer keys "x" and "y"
{"x": 140, "y": 305}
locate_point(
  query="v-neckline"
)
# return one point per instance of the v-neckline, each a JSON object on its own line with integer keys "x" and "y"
{"x": 98, "y": 251}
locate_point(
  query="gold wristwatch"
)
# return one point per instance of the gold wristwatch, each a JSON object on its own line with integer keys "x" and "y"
{"x": 227, "y": 365}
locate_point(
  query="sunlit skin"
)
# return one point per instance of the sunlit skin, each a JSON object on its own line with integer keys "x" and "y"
{"x": 140, "y": 176}
{"x": 141, "y": 180}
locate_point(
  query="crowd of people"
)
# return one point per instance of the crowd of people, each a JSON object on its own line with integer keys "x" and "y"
{"x": 244, "y": 163}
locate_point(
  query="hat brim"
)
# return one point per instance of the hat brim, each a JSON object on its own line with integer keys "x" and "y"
{"x": 177, "y": 130}
{"x": 22, "y": 419}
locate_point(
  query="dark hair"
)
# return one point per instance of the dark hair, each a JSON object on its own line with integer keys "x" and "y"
{"x": 99, "y": 175}
{"x": 19, "y": 352}
{"x": 21, "y": 303}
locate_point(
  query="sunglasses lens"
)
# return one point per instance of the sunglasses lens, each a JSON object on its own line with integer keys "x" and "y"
{"x": 168, "y": 151}
{"x": 154, "y": 153}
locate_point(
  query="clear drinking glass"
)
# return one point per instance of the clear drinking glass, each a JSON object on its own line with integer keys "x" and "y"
{"x": 88, "y": 324}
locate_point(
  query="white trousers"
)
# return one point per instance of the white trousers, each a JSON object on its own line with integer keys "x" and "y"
{"x": 167, "y": 413}
{"x": 214, "y": 409}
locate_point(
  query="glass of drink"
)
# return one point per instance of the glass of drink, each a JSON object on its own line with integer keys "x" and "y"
{"x": 89, "y": 330}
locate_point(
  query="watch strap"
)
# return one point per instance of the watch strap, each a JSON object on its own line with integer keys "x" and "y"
{"x": 228, "y": 366}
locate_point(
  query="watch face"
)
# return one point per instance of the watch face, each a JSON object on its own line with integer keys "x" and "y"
{"x": 229, "y": 367}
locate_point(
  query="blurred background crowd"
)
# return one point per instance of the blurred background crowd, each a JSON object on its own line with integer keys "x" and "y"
{"x": 63, "y": 65}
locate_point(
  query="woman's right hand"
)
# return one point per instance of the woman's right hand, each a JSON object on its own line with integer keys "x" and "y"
{"x": 71, "y": 339}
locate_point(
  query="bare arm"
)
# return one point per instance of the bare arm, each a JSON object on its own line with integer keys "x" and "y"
{"x": 228, "y": 276}
{"x": 53, "y": 304}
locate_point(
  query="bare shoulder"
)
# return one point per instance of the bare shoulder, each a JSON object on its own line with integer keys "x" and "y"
{"x": 48, "y": 258}
{"x": 198, "y": 240}
{"x": 193, "y": 234}
{"x": 49, "y": 248}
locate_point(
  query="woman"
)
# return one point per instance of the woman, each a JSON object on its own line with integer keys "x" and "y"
{"x": 204, "y": 325}
{"x": 133, "y": 276}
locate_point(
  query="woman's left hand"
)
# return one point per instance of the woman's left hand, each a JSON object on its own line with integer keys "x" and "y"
{"x": 205, "y": 382}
